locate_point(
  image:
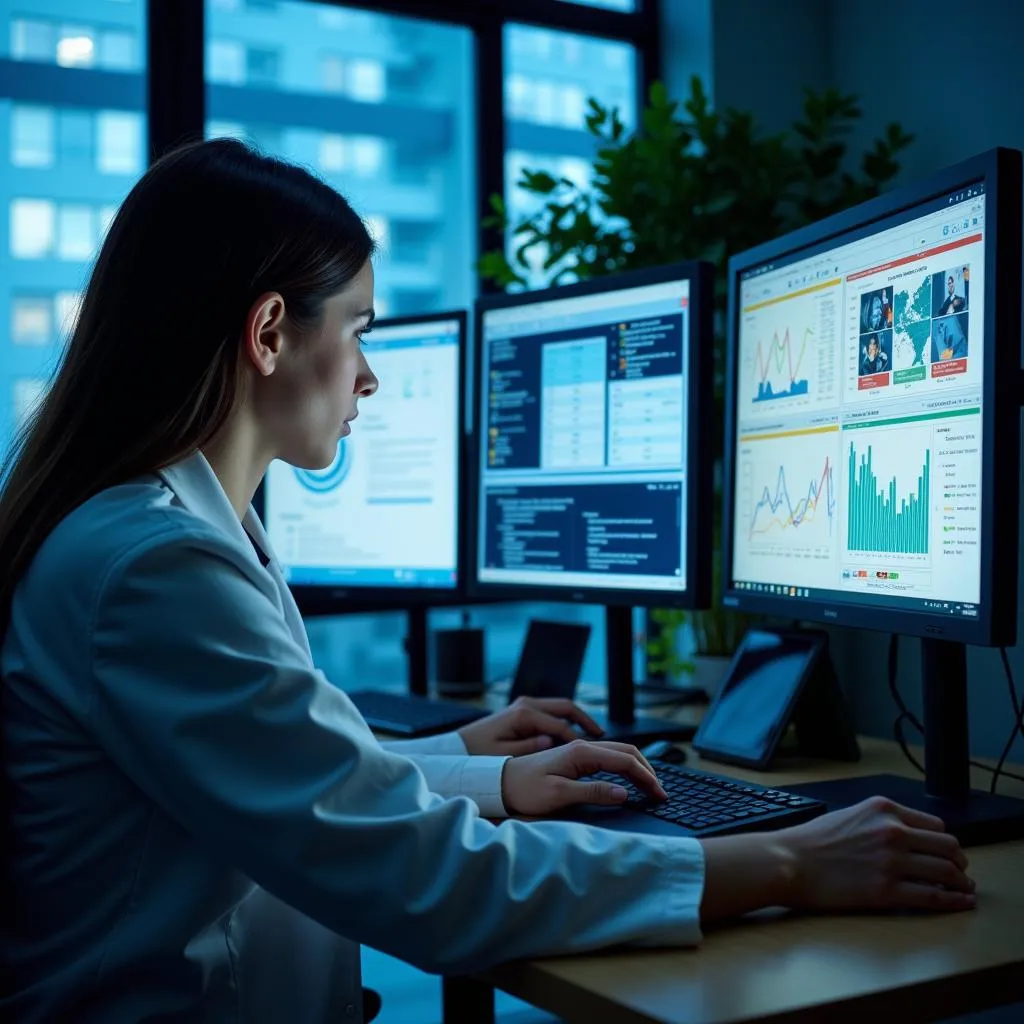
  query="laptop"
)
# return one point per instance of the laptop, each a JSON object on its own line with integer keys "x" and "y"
{"x": 549, "y": 665}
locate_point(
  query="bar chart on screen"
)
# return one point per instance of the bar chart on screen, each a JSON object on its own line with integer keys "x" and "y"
{"x": 888, "y": 499}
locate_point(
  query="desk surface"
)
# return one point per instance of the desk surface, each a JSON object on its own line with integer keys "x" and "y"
{"x": 776, "y": 967}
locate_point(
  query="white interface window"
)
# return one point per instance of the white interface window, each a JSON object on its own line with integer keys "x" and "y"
{"x": 384, "y": 513}
{"x": 583, "y": 474}
{"x": 859, "y": 416}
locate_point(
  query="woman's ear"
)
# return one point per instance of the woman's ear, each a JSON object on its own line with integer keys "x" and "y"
{"x": 262, "y": 337}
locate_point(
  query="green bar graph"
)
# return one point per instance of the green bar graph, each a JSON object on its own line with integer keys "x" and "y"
{"x": 879, "y": 519}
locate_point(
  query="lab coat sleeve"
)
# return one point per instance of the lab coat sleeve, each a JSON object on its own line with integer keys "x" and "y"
{"x": 444, "y": 743}
{"x": 451, "y": 771}
{"x": 204, "y": 699}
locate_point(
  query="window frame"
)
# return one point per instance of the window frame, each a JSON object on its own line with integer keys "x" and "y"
{"x": 176, "y": 61}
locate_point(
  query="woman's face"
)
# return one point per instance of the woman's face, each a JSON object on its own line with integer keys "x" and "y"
{"x": 320, "y": 377}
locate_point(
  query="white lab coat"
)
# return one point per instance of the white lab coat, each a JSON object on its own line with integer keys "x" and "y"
{"x": 204, "y": 828}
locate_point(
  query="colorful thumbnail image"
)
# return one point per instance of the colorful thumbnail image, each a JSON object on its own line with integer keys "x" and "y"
{"x": 875, "y": 353}
{"x": 951, "y": 291}
{"x": 949, "y": 338}
{"x": 876, "y": 310}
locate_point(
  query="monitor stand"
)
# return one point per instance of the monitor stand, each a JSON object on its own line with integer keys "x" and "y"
{"x": 974, "y": 817}
{"x": 622, "y": 723}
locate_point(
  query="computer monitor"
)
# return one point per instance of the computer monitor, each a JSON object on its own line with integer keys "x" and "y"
{"x": 592, "y": 475}
{"x": 380, "y": 526}
{"x": 872, "y": 424}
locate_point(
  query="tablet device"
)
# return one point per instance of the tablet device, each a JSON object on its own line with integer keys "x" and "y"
{"x": 757, "y": 700}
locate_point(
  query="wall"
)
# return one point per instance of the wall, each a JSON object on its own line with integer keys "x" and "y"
{"x": 768, "y": 54}
{"x": 747, "y": 60}
{"x": 959, "y": 95}
{"x": 686, "y": 44}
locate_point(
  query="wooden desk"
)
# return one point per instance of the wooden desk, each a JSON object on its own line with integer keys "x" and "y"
{"x": 786, "y": 969}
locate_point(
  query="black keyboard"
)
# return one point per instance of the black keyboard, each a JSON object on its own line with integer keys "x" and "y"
{"x": 707, "y": 804}
{"x": 405, "y": 714}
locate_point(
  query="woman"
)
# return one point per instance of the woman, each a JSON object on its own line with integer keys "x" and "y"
{"x": 202, "y": 827}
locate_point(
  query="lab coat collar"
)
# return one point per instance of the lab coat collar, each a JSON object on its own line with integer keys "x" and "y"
{"x": 196, "y": 486}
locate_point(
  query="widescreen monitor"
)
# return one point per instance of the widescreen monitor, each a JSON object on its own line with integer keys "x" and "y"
{"x": 872, "y": 435}
{"x": 381, "y": 524}
{"x": 592, "y": 475}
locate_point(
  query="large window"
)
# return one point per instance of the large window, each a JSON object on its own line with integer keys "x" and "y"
{"x": 379, "y": 106}
{"x": 550, "y": 77}
{"x": 72, "y": 142}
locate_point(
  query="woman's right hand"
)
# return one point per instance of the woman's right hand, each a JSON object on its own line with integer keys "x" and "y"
{"x": 877, "y": 855}
{"x": 552, "y": 780}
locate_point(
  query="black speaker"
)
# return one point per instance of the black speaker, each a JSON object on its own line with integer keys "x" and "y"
{"x": 459, "y": 659}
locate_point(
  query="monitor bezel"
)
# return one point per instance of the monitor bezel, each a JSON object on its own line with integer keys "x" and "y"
{"x": 996, "y": 622}
{"x": 700, "y": 402}
{"x": 329, "y": 599}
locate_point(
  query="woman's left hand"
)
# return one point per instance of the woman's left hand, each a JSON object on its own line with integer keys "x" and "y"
{"x": 527, "y": 725}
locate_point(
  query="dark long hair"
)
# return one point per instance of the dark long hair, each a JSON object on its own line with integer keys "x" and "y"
{"x": 151, "y": 369}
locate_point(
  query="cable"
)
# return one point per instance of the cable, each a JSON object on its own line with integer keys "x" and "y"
{"x": 906, "y": 715}
{"x": 1018, "y": 723}
{"x": 1018, "y": 707}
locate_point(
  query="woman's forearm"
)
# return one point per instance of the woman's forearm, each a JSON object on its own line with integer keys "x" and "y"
{"x": 746, "y": 873}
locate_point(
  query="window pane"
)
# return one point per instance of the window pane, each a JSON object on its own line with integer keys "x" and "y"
{"x": 65, "y": 167}
{"x": 32, "y": 39}
{"x": 379, "y": 106}
{"x": 26, "y": 394}
{"x": 104, "y": 218}
{"x": 366, "y": 81}
{"x": 118, "y": 142}
{"x": 76, "y": 232}
{"x": 75, "y": 143}
{"x": 367, "y": 155}
{"x": 31, "y": 320}
{"x": 32, "y": 228}
{"x": 117, "y": 51}
{"x": 65, "y": 306}
{"x": 261, "y": 67}
{"x": 550, "y": 77}
{"x": 76, "y": 46}
{"x": 31, "y": 136}
{"x": 225, "y": 62}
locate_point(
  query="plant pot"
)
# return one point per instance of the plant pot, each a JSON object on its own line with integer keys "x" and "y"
{"x": 709, "y": 671}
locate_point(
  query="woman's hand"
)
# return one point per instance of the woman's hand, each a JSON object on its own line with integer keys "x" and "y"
{"x": 878, "y": 855}
{"x": 548, "y": 781}
{"x": 874, "y": 856}
{"x": 527, "y": 725}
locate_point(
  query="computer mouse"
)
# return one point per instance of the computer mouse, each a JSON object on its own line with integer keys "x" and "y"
{"x": 662, "y": 750}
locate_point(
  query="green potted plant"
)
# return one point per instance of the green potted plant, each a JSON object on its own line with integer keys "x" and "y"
{"x": 695, "y": 183}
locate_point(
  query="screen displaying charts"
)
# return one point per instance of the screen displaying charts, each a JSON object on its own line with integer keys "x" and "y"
{"x": 384, "y": 513}
{"x": 583, "y": 405}
{"x": 859, "y": 396}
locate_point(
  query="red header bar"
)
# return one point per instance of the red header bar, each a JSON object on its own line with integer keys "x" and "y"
{"x": 947, "y": 247}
